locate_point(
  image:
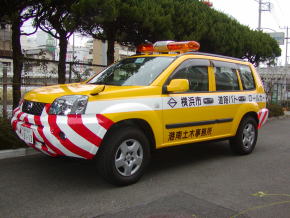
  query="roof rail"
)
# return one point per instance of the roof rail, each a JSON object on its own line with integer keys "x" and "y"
{"x": 212, "y": 55}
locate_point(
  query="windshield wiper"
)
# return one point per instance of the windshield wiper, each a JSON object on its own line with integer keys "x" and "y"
{"x": 100, "y": 83}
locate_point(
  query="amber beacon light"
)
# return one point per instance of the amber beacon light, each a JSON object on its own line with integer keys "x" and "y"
{"x": 145, "y": 48}
{"x": 169, "y": 46}
{"x": 183, "y": 46}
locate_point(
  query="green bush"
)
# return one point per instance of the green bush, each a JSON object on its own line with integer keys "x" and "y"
{"x": 286, "y": 104}
{"x": 275, "y": 110}
{"x": 8, "y": 138}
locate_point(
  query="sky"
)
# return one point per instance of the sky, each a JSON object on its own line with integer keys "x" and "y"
{"x": 246, "y": 12}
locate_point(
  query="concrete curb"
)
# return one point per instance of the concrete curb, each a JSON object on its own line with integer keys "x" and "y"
{"x": 20, "y": 152}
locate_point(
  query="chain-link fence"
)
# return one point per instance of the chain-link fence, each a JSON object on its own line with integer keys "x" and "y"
{"x": 276, "y": 82}
{"x": 278, "y": 93}
{"x": 36, "y": 73}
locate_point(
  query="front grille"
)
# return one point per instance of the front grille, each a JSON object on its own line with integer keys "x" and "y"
{"x": 34, "y": 108}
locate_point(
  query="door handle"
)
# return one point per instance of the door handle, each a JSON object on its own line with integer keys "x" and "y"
{"x": 242, "y": 98}
{"x": 208, "y": 100}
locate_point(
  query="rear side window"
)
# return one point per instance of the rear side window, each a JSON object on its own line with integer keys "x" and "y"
{"x": 247, "y": 77}
{"x": 226, "y": 77}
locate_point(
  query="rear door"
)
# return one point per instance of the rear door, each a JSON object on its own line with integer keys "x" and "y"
{"x": 228, "y": 97}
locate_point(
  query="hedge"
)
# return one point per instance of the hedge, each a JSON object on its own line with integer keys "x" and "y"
{"x": 275, "y": 110}
{"x": 8, "y": 138}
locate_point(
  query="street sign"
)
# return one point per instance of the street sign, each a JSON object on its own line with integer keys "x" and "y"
{"x": 278, "y": 36}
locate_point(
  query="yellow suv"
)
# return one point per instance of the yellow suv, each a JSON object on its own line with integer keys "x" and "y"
{"x": 168, "y": 96}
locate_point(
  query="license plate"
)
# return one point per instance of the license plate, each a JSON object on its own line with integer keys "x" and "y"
{"x": 26, "y": 134}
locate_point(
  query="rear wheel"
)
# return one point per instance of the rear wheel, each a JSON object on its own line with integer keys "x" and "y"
{"x": 245, "y": 140}
{"x": 124, "y": 156}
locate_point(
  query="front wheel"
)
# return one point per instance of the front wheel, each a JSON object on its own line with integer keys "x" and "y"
{"x": 124, "y": 156}
{"x": 245, "y": 140}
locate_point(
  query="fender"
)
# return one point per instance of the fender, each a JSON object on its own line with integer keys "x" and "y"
{"x": 137, "y": 111}
{"x": 244, "y": 109}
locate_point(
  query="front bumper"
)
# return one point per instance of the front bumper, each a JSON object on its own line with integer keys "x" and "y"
{"x": 73, "y": 135}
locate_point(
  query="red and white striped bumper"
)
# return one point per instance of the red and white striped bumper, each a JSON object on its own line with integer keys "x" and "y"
{"x": 263, "y": 117}
{"x": 73, "y": 135}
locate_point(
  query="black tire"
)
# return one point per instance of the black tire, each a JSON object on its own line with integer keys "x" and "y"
{"x": 113, "y": 153}
{"x": 246, "y": 137}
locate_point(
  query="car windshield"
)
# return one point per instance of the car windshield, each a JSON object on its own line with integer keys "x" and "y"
{"x": 139, "y": 71}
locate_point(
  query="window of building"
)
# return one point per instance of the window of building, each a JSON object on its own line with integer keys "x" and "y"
{"x": 5, "y": 67}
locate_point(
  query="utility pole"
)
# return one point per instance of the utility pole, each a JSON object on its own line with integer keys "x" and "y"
{"x": 260, "y": 15}
{"x": 287, "y": 42}
{"x": 4, "y": 113}
{"x": 287, "y": 37}
{"x": 261, "y": 9}
{"x": 73, "y": 51}
{"x": 73, "y": 59}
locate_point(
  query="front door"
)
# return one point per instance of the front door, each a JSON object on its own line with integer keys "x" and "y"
{"x": 188, "y": 116}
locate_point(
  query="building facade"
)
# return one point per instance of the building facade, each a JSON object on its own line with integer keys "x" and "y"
{"x": 99, "y": 52}
{"x": 5, "y": 50}
{"x": 277, "y": 83}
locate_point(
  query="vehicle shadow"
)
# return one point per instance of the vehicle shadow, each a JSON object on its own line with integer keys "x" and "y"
{"x": 83, "y": 174}
{"x": 182, "y": 156}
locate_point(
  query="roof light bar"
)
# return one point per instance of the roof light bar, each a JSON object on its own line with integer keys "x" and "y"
{"x": 162, "y": 46}
{"x": 183, "y": 46}
{"x": 145, "y": 48}
{"x": 169, "y": 46}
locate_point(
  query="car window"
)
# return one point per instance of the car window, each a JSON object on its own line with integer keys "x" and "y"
{"x": 247, "y": 77}
{"x": 226, "y": 78}
{"x": 196, "y": 72}
{"x": 139, "y": 71}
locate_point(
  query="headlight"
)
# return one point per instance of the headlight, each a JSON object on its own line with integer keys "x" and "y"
{"x": 69, "y": 104}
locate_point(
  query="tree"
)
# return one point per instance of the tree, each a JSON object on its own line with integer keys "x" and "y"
{"x": 146, "y": 20}
{"x": 98, "y": 19}
{"x": 221, "y": 34}
{"x": 54, "y": 17}
{"x": 129, "y": 22}
{"x": 15, "y": 13}
{"x": 260, "y": 47}
{"x": 190, "y": 20}
{"x": 133, "y": 22}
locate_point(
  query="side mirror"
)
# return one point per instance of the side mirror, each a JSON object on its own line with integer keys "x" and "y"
{"x": 97, "y": 89}
{"x": 178, "y": 85}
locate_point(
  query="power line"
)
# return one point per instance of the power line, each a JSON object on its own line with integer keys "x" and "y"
{"x": 280, "y": 9}
{"x": 277, "y": 14}
{"x": 275, "y": 18}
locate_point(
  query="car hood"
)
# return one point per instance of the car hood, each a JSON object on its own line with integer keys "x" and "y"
{"x": 49, "y": 93}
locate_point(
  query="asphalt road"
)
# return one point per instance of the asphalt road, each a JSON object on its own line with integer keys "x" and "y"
{"x": 201, "y": 180}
